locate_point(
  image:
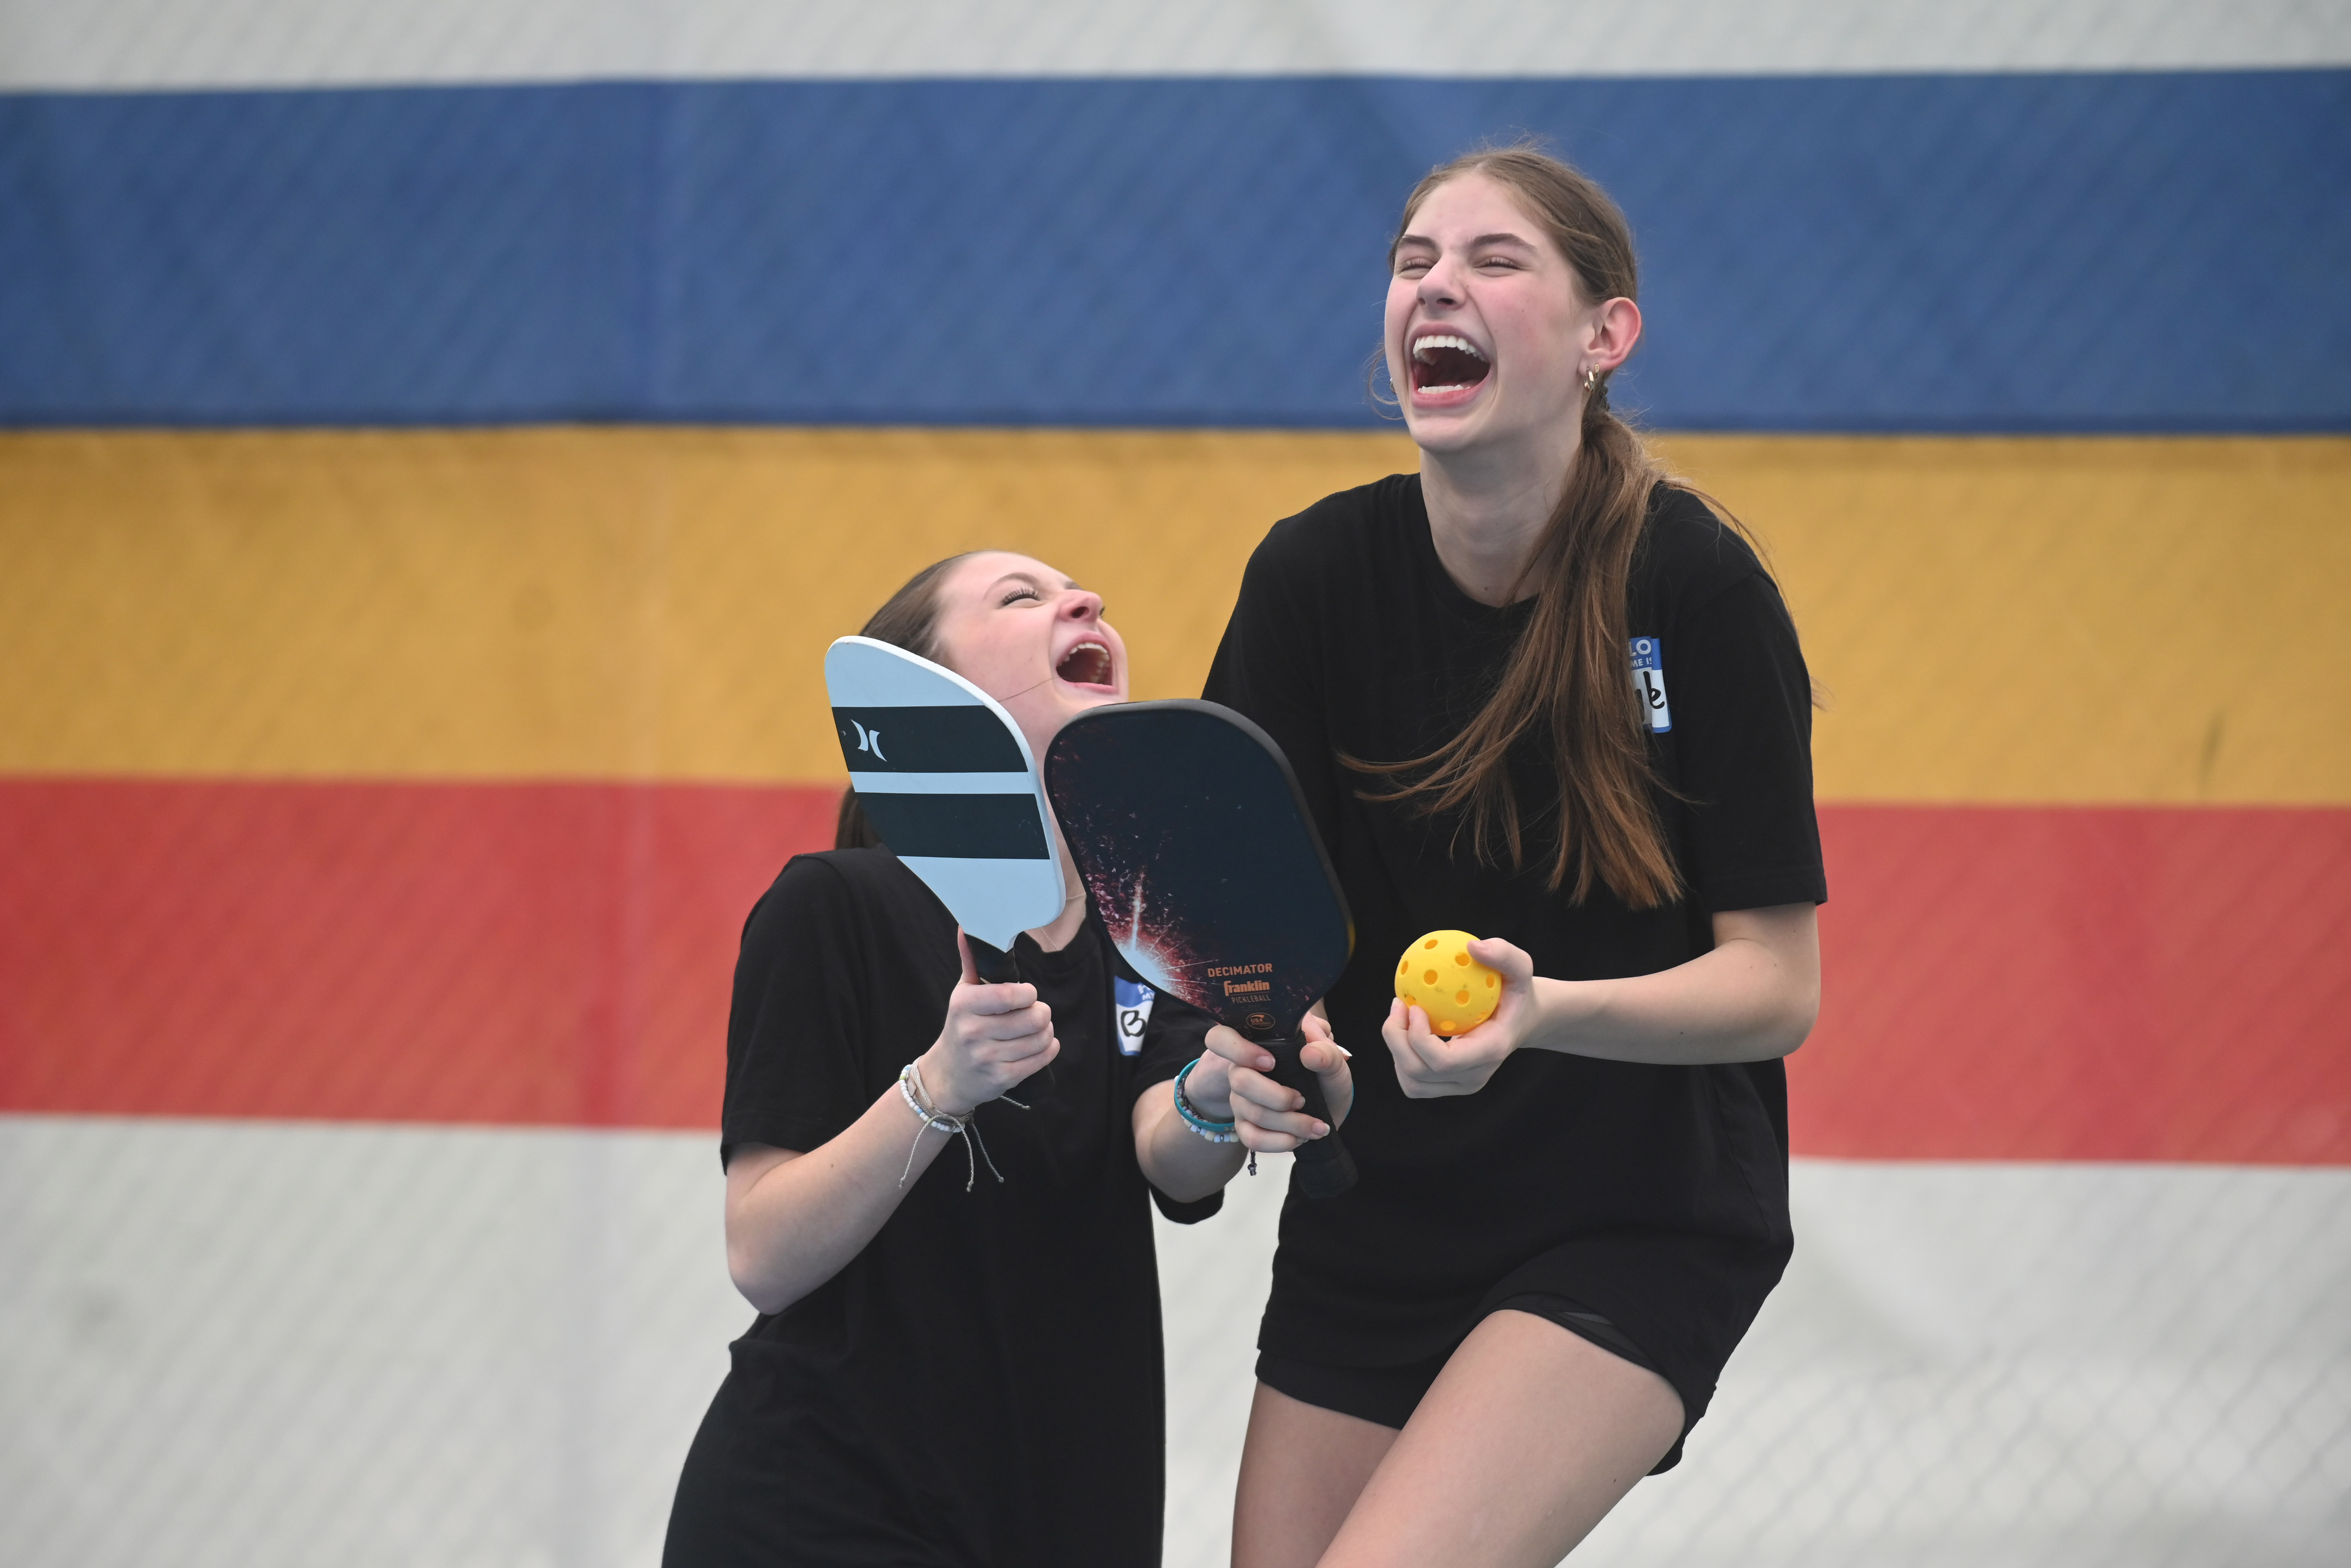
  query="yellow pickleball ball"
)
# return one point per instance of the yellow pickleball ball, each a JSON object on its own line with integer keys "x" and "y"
{"x": 1437, "y": 975}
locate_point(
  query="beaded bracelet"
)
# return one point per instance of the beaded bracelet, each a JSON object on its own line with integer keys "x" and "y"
{"x": 918, "y": 1099}
{"x": 1214, "y": 1132}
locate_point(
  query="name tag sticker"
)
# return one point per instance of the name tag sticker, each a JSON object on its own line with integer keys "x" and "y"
{"x": 1131, "y": 1008}
{"x": 1649, "y": 680}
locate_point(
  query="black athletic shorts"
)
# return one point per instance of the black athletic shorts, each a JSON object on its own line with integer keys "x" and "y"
{"x": 1389, "y": 1395}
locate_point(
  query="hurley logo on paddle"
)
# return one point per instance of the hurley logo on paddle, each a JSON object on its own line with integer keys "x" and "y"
{"x": 868, "y": 739}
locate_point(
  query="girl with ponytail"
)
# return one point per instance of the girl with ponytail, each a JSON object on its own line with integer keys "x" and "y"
{"x": 1542, "y": 693}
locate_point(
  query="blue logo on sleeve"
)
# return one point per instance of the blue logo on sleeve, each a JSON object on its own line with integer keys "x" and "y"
{"x": 1130, "y": 1011}
{"x": 1649, "y": 681}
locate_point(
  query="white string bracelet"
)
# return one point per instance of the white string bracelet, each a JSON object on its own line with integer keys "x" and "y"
{"x": 918, "y": 1099}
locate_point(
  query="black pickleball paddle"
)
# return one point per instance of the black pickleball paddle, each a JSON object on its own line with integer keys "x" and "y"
{"x": 946, "y": 777}
{"x": 1188, "y": 828}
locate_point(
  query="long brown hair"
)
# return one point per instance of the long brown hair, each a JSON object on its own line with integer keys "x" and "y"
{"x": 909, "y": 619}
{"x": 1568, "y": 680}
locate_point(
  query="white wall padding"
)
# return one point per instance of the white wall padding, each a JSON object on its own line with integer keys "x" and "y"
{"x": 268, "y": 1345}
{"x": 133, "y": 43}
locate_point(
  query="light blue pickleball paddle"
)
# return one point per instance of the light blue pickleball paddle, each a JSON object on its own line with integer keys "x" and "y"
{"x": 946, "y": 779}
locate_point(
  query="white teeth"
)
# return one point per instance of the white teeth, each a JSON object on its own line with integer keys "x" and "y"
{"x": 1462, "y": 388}
{"x": 1078, "y": 647}
{"x": 1461, "y": 344}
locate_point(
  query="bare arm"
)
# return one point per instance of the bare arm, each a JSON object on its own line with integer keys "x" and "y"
{"x": 794, "y": 1221}
{"x": 1751, "y": 998}
{"x": 1177, "y": 1160}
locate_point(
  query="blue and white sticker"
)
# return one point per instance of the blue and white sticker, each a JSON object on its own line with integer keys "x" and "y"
{"x": 1649, "y": 680}
{"x": 1131, "y": 1010}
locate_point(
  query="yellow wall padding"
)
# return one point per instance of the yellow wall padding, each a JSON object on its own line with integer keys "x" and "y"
{"x": 1993, "y": 620}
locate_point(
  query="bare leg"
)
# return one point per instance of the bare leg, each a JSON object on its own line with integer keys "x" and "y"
{"x": 1302, "y": 1467}
{"x": 1529, "y": 1438}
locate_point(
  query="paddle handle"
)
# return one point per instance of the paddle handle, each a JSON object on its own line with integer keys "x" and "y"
{"x": 993, "y": 964}
{"x": 1324, "y": 1168}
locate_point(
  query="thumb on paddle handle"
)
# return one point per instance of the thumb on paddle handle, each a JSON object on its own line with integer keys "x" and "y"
{"x": 984, "y": 964}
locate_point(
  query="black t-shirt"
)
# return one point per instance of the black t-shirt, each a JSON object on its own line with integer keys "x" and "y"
{"x": 981, "y": 1385}
{"x": 1655, "y": 1196}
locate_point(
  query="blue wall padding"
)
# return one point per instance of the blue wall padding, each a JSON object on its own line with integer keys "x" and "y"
{"x": 2143, "y": 252}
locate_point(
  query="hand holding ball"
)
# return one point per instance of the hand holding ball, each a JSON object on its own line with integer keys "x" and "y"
{"x": 1437, "y": 975}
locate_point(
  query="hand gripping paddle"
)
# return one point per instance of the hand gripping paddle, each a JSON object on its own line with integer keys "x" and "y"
{"x": 1189, "y": 830}
{"x": 946, "y": 777}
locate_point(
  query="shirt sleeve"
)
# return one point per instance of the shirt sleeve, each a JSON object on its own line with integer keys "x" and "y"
{"x": 1743, "y": 713}
{"x": 795, "y": 1074}
{"x": 1268, "y": 668}
{"x": 1176, "y": 1033}
{"x": 1175, "y": 1036}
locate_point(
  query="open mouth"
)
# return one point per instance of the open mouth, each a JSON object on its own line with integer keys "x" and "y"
{"x": 1446, "y": 364}
{"x": 1087, "y": 664}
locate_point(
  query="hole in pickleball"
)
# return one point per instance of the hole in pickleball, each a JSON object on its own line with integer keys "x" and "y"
{"x": 1429, "y": 979}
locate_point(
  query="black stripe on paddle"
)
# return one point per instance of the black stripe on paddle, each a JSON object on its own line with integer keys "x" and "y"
{"x": 962, "y": 740}
{"x": 958, "y": 827}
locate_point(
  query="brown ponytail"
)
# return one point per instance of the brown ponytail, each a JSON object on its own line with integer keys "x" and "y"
{"x": 1568, "y": 683}
{"x": 909, "y": 619}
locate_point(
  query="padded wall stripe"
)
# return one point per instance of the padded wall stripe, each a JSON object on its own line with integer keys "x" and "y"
{"x": 1943, "y": 253}
{"x": 533, "y": 954}
{"x": 2004, "y": 984}
{"x": 1992, "y": 619}
{"x": 312, "y": 43}
{"x": 2081, "y": 985}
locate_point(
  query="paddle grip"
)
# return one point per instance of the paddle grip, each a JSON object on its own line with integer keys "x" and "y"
{"x": 993, "y": 964}
{"x": 1324, "y": 1168}
{"x": 997, "y": 966}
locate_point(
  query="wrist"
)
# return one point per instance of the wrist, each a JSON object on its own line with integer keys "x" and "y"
{"x": 1562, "y": 1009}
{"x": 1215, "y": 1128}
{"x": 947, "y": 1091}
{"x": 1208, "y": 1087}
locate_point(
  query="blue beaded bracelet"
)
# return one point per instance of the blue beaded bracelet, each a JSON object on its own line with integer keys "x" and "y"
{"x": 1214, "y": 1132}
